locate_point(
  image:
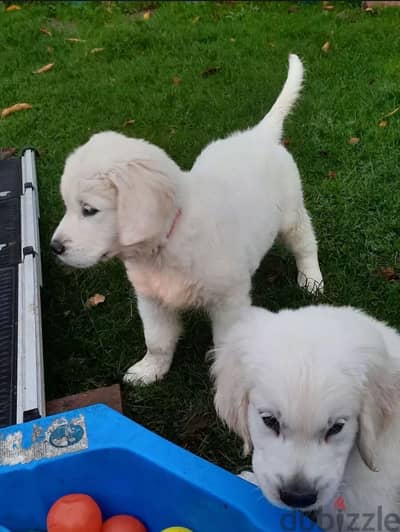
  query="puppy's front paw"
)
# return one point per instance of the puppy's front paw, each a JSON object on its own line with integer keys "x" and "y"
{"x": 150, "y": 369}
{"x": 249, "y": 476}
{"x": 311, "y": 281}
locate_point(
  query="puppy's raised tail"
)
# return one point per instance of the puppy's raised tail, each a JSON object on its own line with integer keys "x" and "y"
{"x": 273, "y": 121}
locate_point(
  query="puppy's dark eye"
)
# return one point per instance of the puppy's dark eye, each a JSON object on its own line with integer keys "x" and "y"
{"x": 87, "y": 210}
{"x": 335, "y": 429}
{"x": 272, "y": 423}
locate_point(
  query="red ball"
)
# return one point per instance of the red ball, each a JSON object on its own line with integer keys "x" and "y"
{"x": 123, "y": 523}
{"x": 74, "y": 513}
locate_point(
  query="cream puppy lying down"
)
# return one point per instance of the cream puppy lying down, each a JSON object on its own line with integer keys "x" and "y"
{"x": 187, "y": 239}
{"x": 315, "y": 393}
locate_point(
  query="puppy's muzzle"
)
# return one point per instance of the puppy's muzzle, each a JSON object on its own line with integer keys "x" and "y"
{"x": 298, "y": 495}
{"x": 57, "y": 247}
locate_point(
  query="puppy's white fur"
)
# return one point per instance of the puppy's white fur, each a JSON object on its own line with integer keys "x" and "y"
{"x": 310, "y": 368}
{"x": 192, "y": 238}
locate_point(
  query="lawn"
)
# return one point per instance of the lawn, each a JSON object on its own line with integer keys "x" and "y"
{"x": 189, "y": 73}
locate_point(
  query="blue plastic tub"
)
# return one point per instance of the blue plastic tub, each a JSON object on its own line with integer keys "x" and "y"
{"x": 127, "y": 469}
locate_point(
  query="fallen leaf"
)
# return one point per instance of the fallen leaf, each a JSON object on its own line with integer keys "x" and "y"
{"x": 129, "y": 122}
{"x": 50, "y": 49}
{"x": 44, "y": 68}
{"x": 210, "y": 71}
{"x": 13, "y": 7}
{"x": 232, "y": 39}
{"x": 286, "y": 142}
{"x": 6, "y": 153}
{"x": 176, "y": 80}
{"x": 328, "y": 7}
{"x": 74, "y": 39}
{"x": 172, "y": 130}
{"x": 389, "y": 274}
{"x": 331, "y": 174}
{"x": 354, "y": 140}
{"x": 369, "y": 10}
{"x": 15, "y": 108}
{"x": 383, "y": 123}
{"x": 292, "y": 9}
{"x": 147, "y": 15}
{"x": 198, "y": 423}
{"x": 96, "y": 50}
{"x": 46, "y": 31}
{"x": 95, "y": 300}
{"x": 326, "y": 47}
{"x": 195, "y": 20}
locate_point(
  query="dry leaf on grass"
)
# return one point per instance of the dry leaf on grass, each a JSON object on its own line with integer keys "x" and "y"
{"x": 147, "y": 15}
{"x": 13, "y": 7}
{"x": 383, "y": 123}
{"x": 389, "y": 274}
{"x": 286, "y": 142}
{"x": 176, "y": 80}
{"x": 46, "y": 31}
{"x": 331, "y": 174}
{"x": 6, "y": 153}
{"x": 50, "y": 49}
{"x": 96, "y": 50}
{"x": 232, "y": 39}
{"x": 329, "y": 7}
{"x": 44, "y": 68}
{"x": 196, "y": 20}
{"x": 95, "y": 300}
{"x": 354, "y": 140}
{"x": 129, "y": 122}
{"x": 210, "y": 71}
{"x": 326, "y": 47}
{"x": 292, "y": 9}
{"x": 15, "y": 108}
{"x": 74, "y": 39}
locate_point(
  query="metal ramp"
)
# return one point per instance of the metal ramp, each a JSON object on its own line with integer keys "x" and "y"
{"x": 21, "y": 353}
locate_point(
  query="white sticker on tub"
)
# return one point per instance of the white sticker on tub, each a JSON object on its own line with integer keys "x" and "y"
{"x": 62, "y": 436}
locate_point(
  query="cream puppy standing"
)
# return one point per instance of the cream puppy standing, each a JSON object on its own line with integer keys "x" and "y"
{"x": 187, "y": 239}
{"x": 315, "y": 393}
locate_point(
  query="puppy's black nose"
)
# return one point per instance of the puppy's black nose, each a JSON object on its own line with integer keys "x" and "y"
{"x": 297, "y": 498}
{"x": 57, "y": 247}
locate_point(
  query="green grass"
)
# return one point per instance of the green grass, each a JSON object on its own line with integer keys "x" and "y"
{"x": 356, "y": 214}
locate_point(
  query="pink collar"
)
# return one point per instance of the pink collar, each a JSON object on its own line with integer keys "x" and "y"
{"x": 174, "y": 222}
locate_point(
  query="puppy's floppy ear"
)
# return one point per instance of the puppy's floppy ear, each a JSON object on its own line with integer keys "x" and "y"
{"x": 379, "y": 405}
{"x": 231, "y": 393}
{"x": 146, "y": 200}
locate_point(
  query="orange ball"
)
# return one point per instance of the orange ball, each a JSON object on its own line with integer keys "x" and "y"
{"x": 123, "y": 523}
{"x": 74, "y": 513}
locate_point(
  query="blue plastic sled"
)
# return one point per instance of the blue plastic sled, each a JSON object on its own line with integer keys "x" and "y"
{"x": 127, "y": 469}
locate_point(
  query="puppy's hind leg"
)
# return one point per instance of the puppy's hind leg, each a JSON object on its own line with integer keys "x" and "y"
{"x": 298, "y": 236}
{"x": 162, "y": 327}
{"x": 226, "y": 310}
